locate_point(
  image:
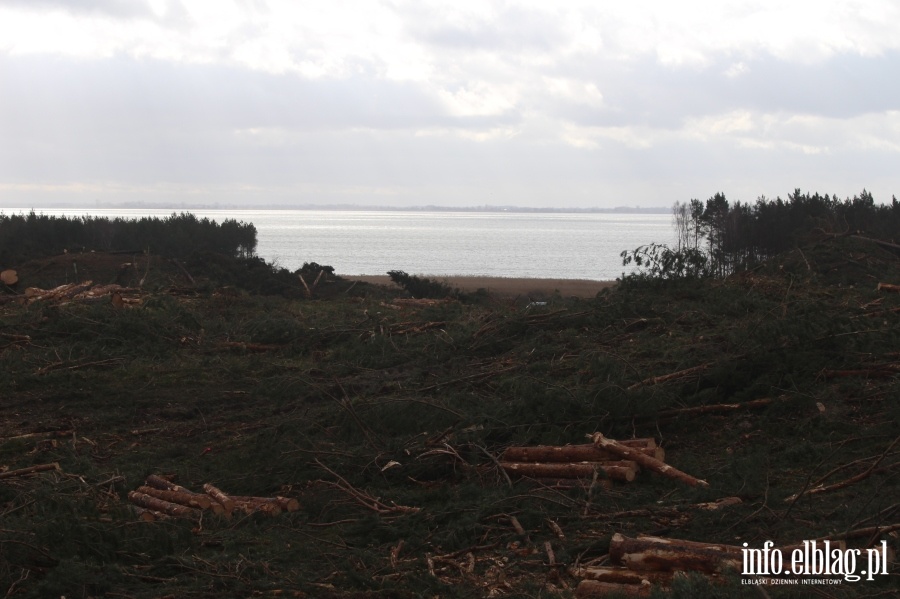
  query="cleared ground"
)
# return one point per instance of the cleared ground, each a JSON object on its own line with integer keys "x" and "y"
{"x": 510, "y": 286}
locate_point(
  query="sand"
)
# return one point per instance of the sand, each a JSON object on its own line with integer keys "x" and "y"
{"x": 509, "y": 286}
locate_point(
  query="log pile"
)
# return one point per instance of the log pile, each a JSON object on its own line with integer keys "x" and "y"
{"x": 160, "y": 499}
{"x": 639, "y": 565}
{"x": 604, "y": 459}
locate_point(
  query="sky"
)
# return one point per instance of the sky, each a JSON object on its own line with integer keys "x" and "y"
{"x": 586, "y": 104}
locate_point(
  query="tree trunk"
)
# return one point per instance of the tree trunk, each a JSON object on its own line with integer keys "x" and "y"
{"x": 194, "y": 500}
{"x": 668, "y": 555}
{"x": 160, "y": 505}
{"x": 646, "y": 461}
{"x": 224, "y": 500}
{"x": 250, "y": 505}
{"x": 620, "y": 575}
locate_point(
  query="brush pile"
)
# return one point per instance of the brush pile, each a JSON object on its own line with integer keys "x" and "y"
{"x": 84, "y": 292}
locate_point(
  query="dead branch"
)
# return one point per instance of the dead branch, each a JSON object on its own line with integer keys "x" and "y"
{"x": 184, "y": 270}
{"x": 62, "y": 365}
{"x": 35, "y": 435}
{"x": 629, "y": 453}
{"x": 30, "y": 470}
{"x": 556, "y": 529}
{"x": 862, "y": 532}
{"x": 878, "y": 242}
{"x": 587, "y": 452}
{"x": 363, "y": 498}
{"x": 873, "y": 469}
{"x": 681, "y": 374}
{"x": 716, "y": 408}
{"x": 872, "y": 373}
{"x": 622, "y": 470}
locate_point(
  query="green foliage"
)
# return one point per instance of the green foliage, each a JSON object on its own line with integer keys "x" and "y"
{"x": 736, "y": 237}
{"x": 657, "y": 262}
{"x": 422, "y": 287}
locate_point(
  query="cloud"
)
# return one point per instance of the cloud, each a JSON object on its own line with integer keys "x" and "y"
{"x": 122, "y": 9}
{"x": 465, "y": 101}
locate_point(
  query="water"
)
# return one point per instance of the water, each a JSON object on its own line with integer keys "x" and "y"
{"x": 507, "y": 244}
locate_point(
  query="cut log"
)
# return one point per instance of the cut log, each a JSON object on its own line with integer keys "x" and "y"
{"x": 194, "y": 500}
{"x": 162, "y": 484}
{"x": 160, "y": 505}
{"x": 588, "y": 589}
{"x": 9, "y": 277}
{"x": 620, "y": 575}
{"x": 149, "y": 515}
{"x": 252, "y": 505}
{"x": 158, "y": 482}
{"x": 669, "y": 555}
{"x": 224, "y": 500}
{"x": 30, "y": 470}
{"x": 587, "y": 452}
{"x": 288, "y": 504}
{"x": 881, "y": 287}
{"x": 620, "y": 470}
{"x": 646, "y": 461}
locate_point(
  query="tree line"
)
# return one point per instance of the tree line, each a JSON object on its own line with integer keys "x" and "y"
{"x": 716, "y": 238}
{"x": 27, "y": 236}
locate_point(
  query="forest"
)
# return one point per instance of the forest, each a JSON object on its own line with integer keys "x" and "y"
{"x": 716, "y": 238}
{"x": 29, "y": 236}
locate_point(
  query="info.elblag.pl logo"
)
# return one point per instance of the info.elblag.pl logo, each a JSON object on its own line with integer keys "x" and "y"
{"x": 814, "y": 562}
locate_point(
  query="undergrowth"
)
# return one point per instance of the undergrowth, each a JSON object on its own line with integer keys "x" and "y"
{"x": 307, "y": 397}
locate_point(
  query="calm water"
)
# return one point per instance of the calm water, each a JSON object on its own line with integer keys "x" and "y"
{"x": 558, "y": 245}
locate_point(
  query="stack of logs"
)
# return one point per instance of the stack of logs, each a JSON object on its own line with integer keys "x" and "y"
{"x": 160, "y": 498}
{"x": 602, "y": 459}
{"x": 639, "y": 565}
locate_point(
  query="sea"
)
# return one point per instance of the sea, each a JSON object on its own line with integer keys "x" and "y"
{"x": 557, "y": 245}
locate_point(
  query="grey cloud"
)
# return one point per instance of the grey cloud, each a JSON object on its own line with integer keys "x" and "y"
{"x": 152, "y": 120}
{"x": 648, "y": 93}
{"x": 514, "y": 29}
{"x": 113, "y": 8}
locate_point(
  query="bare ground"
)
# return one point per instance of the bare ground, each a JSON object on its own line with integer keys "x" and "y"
{"x": 509, "y": 286}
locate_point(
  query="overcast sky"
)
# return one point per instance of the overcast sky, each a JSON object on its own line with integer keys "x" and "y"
{"x": 465, "y": 103}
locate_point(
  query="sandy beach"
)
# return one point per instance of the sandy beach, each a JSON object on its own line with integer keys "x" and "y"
{"x": 509, "y": 286}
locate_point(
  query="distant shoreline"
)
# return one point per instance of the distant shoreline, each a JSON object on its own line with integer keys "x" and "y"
{"x": 509, "y": 286}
